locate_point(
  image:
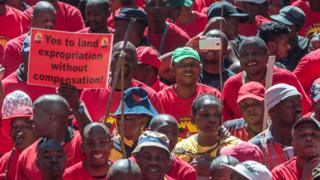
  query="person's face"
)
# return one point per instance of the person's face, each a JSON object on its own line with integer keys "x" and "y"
{"x": 253, "y": 9}
{"x": 207, "y": 119}
{"x": 41, "y": 121}
{"x": 153, "y": 162}
{"x": 232, "y": 27}
{"x": 306, "y": 140}
{"x": 157, "y": 10}
{"x": 44, "y": 20}
{"x": 171, "y": 131}
{"x": 314, "y": 43}
{"x": 133, "y": 125}
{"x": 213, "y": 56}
{"x": 129, "y": 65}
{"x": 253, "y": 59}
{"x": 287, "y": 111}
{"x": 144, "y": 73}
{"x": 222, "y": 173}
{"x": 22, "y": 132}
{"x": 187, "y": 71}
{"x": 282, "y": 46}
{"x": 52, "y": 160}
{"x": 136, "y": 33}
{"x": 95, "y": 17}
{"x": 252, "y": 110}
{"x": 316, "y": 109}
{"x": 96, "y": 146}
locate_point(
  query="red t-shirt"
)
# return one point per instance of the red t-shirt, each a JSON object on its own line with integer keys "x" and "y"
{"x": 12, "y": 54}
{"x": 181, "y": 170}
{"x": 312, "y": 23}
{"x": 27, "y": 167}
{"x": 195, "y": 27}
{"x": 31, "y": 2}
{"x": 6, "y": 143}
{"x": 158, "y": 85}
{"x": 233, "y": 84}
{"x": 13, "y": 164}
{"x": 198, "y": 5}
{"x": 308, "y": 69}
{"x": 78, "y": 172}
{"x": 180, "y": 108}
{"x": 246, "y": 29}
{"x": 176, "y": 37}
{"x": 287, "y": 170}
{"x": 68, "y": 18}
{"x": 209, "y": 2}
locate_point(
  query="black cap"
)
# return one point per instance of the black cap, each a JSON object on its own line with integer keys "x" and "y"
{"x": 290, "y": 15}
{"x": 305, "y": 120}
{"x": 226, "y": 9}
{"x": 138, "y": 14}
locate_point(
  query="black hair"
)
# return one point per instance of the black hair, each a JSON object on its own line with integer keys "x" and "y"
{"x": 199, "y": 101}
{"x": 272, "y": 30}
{"x": 104, "y": 5}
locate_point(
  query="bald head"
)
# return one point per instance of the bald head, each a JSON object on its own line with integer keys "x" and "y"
{"x": 92, "y": 126}
{"x": 42, "y": 6}
{"x": 160, "y": 120}
{"x": 52, "y": 104}
{"x": 124, "y": 169}
{"x": 253, "y": 40}
{"x": 44, "y": 15}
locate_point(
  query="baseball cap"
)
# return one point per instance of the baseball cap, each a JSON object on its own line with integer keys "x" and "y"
{"x": 227, "y": 9}
{"x": 304, "y": 120}
{"x": 315, "y": 90}
{"x": 136, "y": 101}
{"x": 13, "y": 101}
{"x": 138, "y": 14}
{"x": 251, "y": 170}
{"x": 180, "y": 54}
{"x": 276, "y": 93}
{"x": 290, "y": 15}
{"x": 253, "y": 1}
{"x": 252, "y": 90}
{"x": 180, "y": 3}
{"x": 244, "y": 151}
{"x": 152, "y": 139}
{"x": 148, "y": 55}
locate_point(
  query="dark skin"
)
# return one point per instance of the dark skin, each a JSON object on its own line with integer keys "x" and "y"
{"x": 157, "y": 11}
{"x": 279, "y": 46}
{"x": 96, "y": 16}
{"x": 136, "y": 33}
{"x": 96, "y": 146}
{"x": 283, "y": 115}
{"x": 186, "y": 16}
{"x": 124, "y": 169}
{"x": 2, "y": 7}
{"x": 314, "y": 5}
{"x": 22, "y": 133}
{"x": 146, "y": 73}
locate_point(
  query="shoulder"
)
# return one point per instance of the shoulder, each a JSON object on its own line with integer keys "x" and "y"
{"x": 16, "y": 42}
{"x": 233, "y": 81}
{"x": 185, "y": 146}
{"x": 73, "y": 171}
{"x": 281, "y": 171}
{"x": 177, "y": 30}
{"x": 136, "y": 83}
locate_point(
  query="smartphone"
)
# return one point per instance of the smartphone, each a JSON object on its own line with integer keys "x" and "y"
{"x": 210, "y": 44}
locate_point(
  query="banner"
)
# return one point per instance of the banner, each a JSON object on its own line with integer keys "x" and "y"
{"x": 82, "y": 60}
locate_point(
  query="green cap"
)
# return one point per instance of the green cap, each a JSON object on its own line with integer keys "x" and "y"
{"x": 180, "y": 54}
{"x": 179, "y": 3}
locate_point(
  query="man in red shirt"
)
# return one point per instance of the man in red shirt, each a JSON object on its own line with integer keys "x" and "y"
{"x": 44, "y": 16}
{"x": 192, "y": 22}
{"x": 50, "y": 115}
{"x": 147, "y": 70}
{"x": 251, "y": 105}
{"x": 167, "y": 125}
{"x": 124, "y": 169}
{"x": 253, "y": 59}
{"x": 306, "y": 144}
{"x": 96, "y": 145}
{"x": 160, "y": 33}
{"x": 68, "y": 17}
{"x": 186, "y": 66}
{"x": 51, "y": 159}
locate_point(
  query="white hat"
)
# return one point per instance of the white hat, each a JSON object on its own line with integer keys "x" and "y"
{"x": 253, "y": 1}
{"x": 276, "y": 93}
{"x": 251, "y": 170}
{"x": 13, "y": 101}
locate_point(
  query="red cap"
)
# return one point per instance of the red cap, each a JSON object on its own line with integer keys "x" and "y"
{"x": 21, "y": 112}
{"x": 252, "y": 90}
{"x": 148, "y": 55}
{"x": 260, "y": 20}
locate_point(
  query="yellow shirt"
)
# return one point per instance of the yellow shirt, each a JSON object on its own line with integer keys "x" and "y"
{"x": 189, "y": 148}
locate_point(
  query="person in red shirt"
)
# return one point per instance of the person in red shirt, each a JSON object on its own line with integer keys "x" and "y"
{"x": 96, "y": 146}
{"x": 312, "y": 10}
{"x": 124, "y": 169}
{"x": 147, "y": 70}
{"x": 43, "y": 17}
{"x": 253, "y": 8}
{"x": 153, "y": 156}
{"x": 50, "y": 115}
{"x": 51, "y": 159}
{"x": 306, "y": 144}
{"x": 167, "y": 125}
{"x": 186, "y": 66}
{"x": 19, "y": 127}
{"x": 160, "y": 33}
{"x": 97, "y": 12}
{"x": 251, "y": 105}
{"x": 68, "y": 17}
{"x": 253, "y": 59}
{"x": 192, "y": 22}
{"x": 96, "y": 99}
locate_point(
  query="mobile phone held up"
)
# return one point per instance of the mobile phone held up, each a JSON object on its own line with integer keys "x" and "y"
{"x": 210, "y": 44}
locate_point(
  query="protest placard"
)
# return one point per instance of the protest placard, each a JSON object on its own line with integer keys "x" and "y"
{"x": 82, "y": 60}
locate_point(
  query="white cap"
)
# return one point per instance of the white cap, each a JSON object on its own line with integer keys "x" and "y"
{"x": 251, "y": 170}
{"x": 253, "y": 1}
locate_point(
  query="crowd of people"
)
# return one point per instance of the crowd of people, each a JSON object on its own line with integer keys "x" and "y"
{"x": 198, "y": 96}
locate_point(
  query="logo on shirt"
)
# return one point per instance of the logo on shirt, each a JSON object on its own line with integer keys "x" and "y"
{"x": 104, "y": 42}
{"x": 315, "y": 28}
{"x": 186, "y": 127}
{"x": 38, "y": 37}
{"x": 3, "y": 40}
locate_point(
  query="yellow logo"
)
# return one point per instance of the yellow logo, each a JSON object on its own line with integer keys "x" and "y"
{"x": 104, "y": 42}
{"x": 38, "y": 37}
{"x": 3, "y": 41}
